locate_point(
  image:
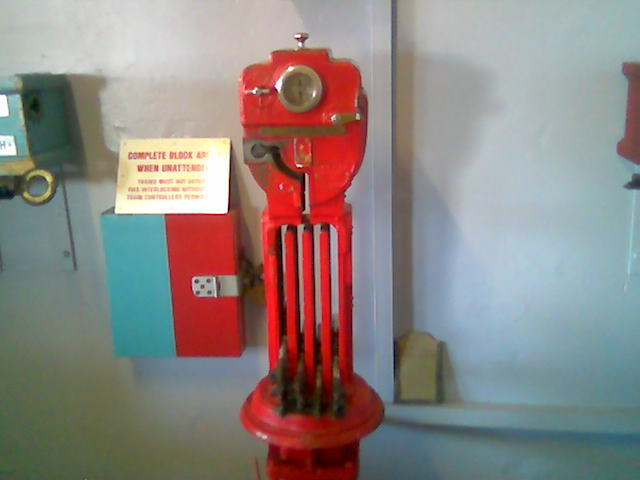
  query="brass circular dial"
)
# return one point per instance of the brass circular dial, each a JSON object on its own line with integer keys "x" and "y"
{"x": 299, "y": 88}
{"x": 48, "y": 184}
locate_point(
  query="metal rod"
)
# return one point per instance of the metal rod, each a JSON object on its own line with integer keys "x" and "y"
{"x": 325, "y": 298}
{"x": 65, "y": 198}
{"x": 272, "y": 252}
{"x": 309, "y": 302}
{"x": 293, "y": 301}
{"x": 345, "y": 332}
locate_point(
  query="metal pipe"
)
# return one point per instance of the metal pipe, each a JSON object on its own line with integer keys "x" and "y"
{"x": 272, "y": 253}
{"x": 345, "y": 332}
{"x": 309, "y": 302}
{"x": 325, "y": 292}
{"x": 293, "y": 301}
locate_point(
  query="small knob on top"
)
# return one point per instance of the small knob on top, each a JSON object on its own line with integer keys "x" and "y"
{"x": 301, "y": 37}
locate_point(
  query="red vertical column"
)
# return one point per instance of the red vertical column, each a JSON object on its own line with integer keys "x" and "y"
{"x": 325, "y": 292}
{"x": 309, "y": 302}
{"x": 292, "y": 307}
{"x": 345, "y": 330}
{"x": 272, "y": 277}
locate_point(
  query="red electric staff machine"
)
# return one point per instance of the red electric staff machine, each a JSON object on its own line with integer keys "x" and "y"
{"x": 305, "y": 124}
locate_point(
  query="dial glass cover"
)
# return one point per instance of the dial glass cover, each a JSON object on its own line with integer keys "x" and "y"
{"x": 299, "y": 88}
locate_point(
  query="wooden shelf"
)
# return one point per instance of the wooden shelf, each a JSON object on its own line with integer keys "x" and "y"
{"x": 604, "y": 421}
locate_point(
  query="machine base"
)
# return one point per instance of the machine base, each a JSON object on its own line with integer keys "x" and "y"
{"x": 364, "y": 413}
{"x": 337, "y": 463}
{"x": 308, "y": 447}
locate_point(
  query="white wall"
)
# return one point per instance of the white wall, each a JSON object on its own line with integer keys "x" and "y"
{"x": 511, "y": 236}
{"x": 514, "y": 244}
{"x": 68, "y": 408}
{"x": 512, "y": 229}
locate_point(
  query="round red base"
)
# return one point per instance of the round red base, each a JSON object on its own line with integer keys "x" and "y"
{"x": 364, "y": 413}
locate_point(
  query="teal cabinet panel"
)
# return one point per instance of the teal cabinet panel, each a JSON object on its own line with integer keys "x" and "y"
{"x": 139, "y": 285}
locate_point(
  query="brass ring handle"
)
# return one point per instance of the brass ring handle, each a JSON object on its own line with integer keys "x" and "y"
{"x": 47, "y": 195}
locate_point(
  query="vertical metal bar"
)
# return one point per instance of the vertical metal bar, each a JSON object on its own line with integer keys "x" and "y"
{"x": 272, "y": 252}
{"x": 325, "y": 298}
{"x": 309, "y": 302}
{"x": 633, "y": 258}
{"x": 65, "y": 198}
{"x": 345, "y": 335}
{"x": 293, "y": 302}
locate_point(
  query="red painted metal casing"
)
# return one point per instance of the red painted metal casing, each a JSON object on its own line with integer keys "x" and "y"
{"x": 341, "y": 155}
{"x": 311, "y": 408}
{"x": 201, "y": 245}
{"x": 629, "y": 146}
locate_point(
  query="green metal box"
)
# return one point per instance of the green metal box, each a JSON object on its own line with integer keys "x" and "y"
{"x": 34, "y": 126}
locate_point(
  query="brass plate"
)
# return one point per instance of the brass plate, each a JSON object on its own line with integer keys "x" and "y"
{"x": 303, "y": 131}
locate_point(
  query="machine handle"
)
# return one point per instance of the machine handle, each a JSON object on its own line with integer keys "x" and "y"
{"x": 301, "y": 37}
{"x": 342, "y": 118}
